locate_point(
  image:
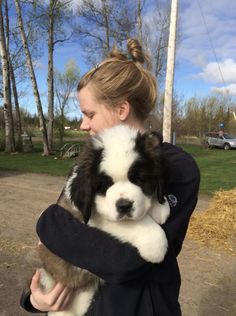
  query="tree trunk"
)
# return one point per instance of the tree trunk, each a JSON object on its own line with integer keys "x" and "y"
{"x": 17, "y": 109}
{"x": 12, "y": 83}
{"x": 50, "y": 78}
{"x": 7, "y": 108}
{"x": 62, "y": 122}
{"x": 33, "y": 80}
{"x": 107, "y": 28}
{"x": 9, "y": 75}
{"x": 139, "y": 18}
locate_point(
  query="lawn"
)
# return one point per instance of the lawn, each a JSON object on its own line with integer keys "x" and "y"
{"x": 36, "y": 163}
{"x": 218, "y": 167}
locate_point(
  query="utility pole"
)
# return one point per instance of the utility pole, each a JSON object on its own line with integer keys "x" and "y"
{"x": 167, "y": 113}
{"x": 234, "y": 114}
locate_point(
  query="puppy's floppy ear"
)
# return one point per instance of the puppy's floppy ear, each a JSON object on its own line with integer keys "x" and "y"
{"x": 149, "y": 145}
{"x": 156, "y": 143}
{"x": 157, "y": 136}
{"x": 81, "y": 188}
{"x": 150, "y": 142}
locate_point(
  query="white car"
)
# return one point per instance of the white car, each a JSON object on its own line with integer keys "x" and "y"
{"x": 225, "y": 141}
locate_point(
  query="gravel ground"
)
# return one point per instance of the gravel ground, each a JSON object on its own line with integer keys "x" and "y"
{"x": 208, "y": 276}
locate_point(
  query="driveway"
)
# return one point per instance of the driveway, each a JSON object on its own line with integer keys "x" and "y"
{"x": 208, "y": 276}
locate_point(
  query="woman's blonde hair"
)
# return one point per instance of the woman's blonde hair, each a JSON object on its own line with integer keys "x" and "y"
{"x": 122, "y": 77}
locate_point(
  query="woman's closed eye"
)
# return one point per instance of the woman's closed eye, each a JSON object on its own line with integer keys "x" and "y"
{"x": 88, "y": 114}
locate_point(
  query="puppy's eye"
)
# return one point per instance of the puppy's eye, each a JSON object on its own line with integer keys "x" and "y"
{"x": 104, "y": 182}
{"x": 144, "y": 177}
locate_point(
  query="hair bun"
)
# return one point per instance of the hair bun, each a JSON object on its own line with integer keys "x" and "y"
{"x": 135, "y": 50}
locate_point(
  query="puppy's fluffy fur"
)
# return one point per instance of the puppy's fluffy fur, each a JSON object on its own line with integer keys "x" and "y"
{"x": 116, "y": 186}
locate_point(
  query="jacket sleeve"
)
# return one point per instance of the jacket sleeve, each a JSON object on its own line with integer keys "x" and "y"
{"x": 88, "y": 247}
{"x": 26, "y": 304}
{"x": 182, "y": 194}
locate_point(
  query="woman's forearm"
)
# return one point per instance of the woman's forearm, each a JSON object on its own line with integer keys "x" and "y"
{"x": 89, "y": 248}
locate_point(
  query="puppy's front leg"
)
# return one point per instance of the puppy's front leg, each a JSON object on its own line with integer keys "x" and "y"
{"x": 151, "y": 240}
{"x": 146, "y": 235}
{"x": 160, "y": 212}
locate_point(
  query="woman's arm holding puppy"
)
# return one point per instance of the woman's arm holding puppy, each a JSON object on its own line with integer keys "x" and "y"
{"x": 88, "y": 247}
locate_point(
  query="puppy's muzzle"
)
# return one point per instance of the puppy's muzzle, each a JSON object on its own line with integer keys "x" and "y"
{"x": 124, "y": 207}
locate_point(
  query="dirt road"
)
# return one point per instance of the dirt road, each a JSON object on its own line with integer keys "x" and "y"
{"x": 208, "y": 276}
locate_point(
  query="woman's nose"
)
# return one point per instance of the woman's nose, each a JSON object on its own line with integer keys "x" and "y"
{"x": 84, "y": 126}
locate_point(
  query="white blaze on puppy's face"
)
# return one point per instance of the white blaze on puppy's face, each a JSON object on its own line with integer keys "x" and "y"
{"x": 122, "y": 200}
{"x": 129, "y": 194}
{"x": 118, "y": 153}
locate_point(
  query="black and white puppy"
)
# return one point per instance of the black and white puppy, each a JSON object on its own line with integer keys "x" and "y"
{"x": 116, "y": 186}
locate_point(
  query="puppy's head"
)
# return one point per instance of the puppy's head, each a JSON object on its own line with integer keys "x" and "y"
{"x": 119, "y": 175}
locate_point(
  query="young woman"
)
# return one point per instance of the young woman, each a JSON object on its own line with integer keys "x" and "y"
{"x": 120, "y": 90}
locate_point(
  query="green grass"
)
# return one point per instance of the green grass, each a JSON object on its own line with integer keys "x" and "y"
{"x": 36, "y": 163}
{"x": 218, "y": 167}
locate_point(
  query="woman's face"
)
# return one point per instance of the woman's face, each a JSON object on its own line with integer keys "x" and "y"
{"x": 96, "y": 116}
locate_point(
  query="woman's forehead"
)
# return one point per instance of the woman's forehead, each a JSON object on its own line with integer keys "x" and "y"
{"x": 86, "y": 98}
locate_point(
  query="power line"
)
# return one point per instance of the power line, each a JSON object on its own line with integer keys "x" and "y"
{"x": 211, "y": 42}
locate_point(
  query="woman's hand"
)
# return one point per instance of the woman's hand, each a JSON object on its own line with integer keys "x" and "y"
{"x": 55, "y": 300}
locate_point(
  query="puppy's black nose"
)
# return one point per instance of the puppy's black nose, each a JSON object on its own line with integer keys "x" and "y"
{"x": 124, "y": 206}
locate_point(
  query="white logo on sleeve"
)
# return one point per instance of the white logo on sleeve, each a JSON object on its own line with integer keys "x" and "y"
{"x": 172, "y": 200}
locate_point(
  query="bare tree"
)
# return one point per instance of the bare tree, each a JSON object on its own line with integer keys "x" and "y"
{"x": 33, "y": 79}
{"x": 105, "y": 12}
{"x": 155, "y": 38}
{"x": 8, "y": 117}
{"x": 17, "y": 64}
{"x": 50, "y": 79}
{"x": 52, "y": 19}
{"x": 18, "y": 125}
{"x": 12, "y": 83}
{"x": 103, "y": 24}
{"x": 140, "y": 21}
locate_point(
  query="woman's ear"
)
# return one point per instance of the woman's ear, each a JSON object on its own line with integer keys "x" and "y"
{"x": 123, "y": 109}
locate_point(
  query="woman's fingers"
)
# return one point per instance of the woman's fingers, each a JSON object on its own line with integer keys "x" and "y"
{"x": 62, "y": 299}
{"x": 35, "y": 281}
{"x": 56, "y": 294}
{"x": 67, "y": 300}
{"x": 54, "y": 300}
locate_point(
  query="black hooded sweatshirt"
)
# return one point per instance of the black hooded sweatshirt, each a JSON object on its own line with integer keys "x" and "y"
{"x": 133, "y": 287}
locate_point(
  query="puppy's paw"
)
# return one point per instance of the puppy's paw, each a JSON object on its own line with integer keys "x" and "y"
{"x": 46, "y": 280}
{"x": 160, "y": 212}
{"x": 153, "y": 247}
